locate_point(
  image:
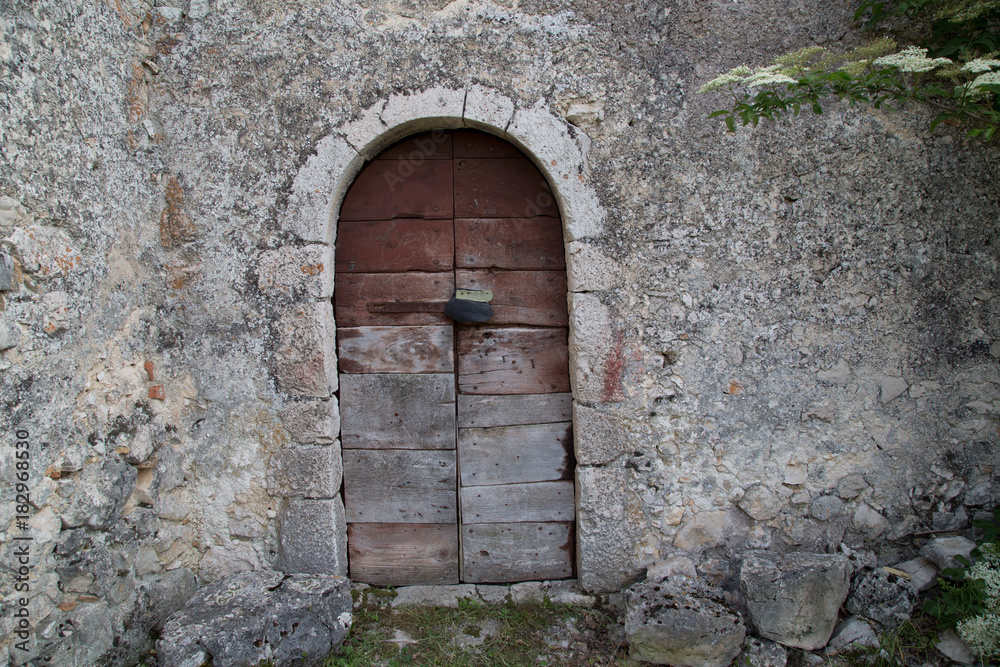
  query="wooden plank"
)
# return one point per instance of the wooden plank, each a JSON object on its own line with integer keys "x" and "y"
{"x": 512, "y": 361}
{"x": 399, "y": 486}
{"x": 403, "y": 554}
{"x": 509, "y": 243}
{"x": 435, "y": 145}
{"x": 501, "y": 188}
{"x": 387, "y": 189}
{"x": 535, "y": 298}
{"x": 395, "y": 245}
{"x": 396, "y": 349}
{"x": 509, "y": 552}
{"x": 478, "y": 144}
{"x": 516, "y": 454}
{"x": 516, "y": 503}
{"x": 355, "y": 291}
{"x": 485, "y": 411}
{"x": 397, "y": 411}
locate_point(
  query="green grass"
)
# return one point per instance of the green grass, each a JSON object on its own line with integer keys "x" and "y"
{"x": 912, "y": 643}
{"x": 507, "y": 635}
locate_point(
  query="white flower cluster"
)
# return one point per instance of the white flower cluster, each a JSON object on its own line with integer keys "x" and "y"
{"x": 982, "y": 632}
{"x": 912, "y": 59}
{"x": 980, "y": 65}
{"x": 763, "y": 76}
{"x": 983, "y": 79}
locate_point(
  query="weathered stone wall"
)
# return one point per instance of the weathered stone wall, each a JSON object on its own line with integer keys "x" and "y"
{"x": 784, "y": 338}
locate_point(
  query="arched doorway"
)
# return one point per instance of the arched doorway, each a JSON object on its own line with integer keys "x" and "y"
{"x": 457, "y": 439}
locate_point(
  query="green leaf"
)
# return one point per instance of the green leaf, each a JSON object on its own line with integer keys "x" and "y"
{"x": 720, "y": 112}
{"x": 731, "y": 123}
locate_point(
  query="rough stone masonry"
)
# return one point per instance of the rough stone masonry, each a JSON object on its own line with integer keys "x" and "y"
{"x": 783, "y": 339}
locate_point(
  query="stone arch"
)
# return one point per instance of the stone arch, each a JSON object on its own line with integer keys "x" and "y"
{"x": 305, "y": 362}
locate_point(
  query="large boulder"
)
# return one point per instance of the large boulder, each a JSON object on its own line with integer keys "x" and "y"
{"x": 794, "y": 599}
{"x": 681, "y": 622}
{"x": 883, "y": 598}
{"x": 294, "y": 620}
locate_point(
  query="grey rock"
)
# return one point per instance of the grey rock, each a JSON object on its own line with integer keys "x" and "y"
{"x": 923, "y": 574}
{"x": 839, "y": 374}
{"x": 950, "y": 520}
{"x": 312, "y": 537}
{"x": 671, "y": 567}
{"x": 312, "y": 422}
{"x": 761, "y": 503}
{"x": 851, "y": 486}
{"x": 825, "y": 508}
{"x": 980, "y": 495}
{"x": 682, "y": 622}
{"x": 942, "y": 551}
{"x": 794, "y": 599}
{"x": 296, "y": 620}
{"x": 169, "y": 592}
{"x": 313, "y": 472}
{"x": 759, "y": 652}
{"x": 951, "y": 645}
{"x": 853, "y": 633}
{"x": 99, "y": 494}
{"x": 81, "y": 636}
{"x": 434, "y": 596}
{"x": 891, "y": 388}
{"x": 884, "y": 598}
{"x": 10, "y": 335}
{"x": 6, "y": 272}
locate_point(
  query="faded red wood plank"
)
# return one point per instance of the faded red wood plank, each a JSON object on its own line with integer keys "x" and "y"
{"x": 517, "y": 503}
{"x": 516, "y": 454}
{"x": 478, "y": 144}
{"x": 395, "y": 245}
{"x": 355, "y": 291}
{"x": 387, "y": 189}
{"x": 486, "y": 411}
{"x": 399, "y": 486}
{"x": 402, "y": 554}
{"x": 397, "y": 411}
{"x": 535, "y": 298}
{"x": 436, "y": 145}
{"x": 508, "y": 552}
{"x": 396, "y": 349}
{"x": 512, "y": 361}
{"x": 501, "y": 188}
{"x": 509, "y": 243}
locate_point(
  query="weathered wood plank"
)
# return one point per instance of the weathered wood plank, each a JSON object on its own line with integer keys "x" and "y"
{"x": 534, "y": 298}
{"x": 387, "y": 189}
{"x": 509, "y": 243}
{"x": 356, "y": 290}
{"x": 516, "y": 503}
{"x": 501, "y": 188}
{"x": 516, "y": 454}
{"x": 477, "y": 144}
{"x": 395, "y": 245}
{"x": 396, "y": 349}
{"x": 485, "y": 411}
{"x": 508, "y": 552}
{"x": 401, "y": 554}
{"x": 435, "y": 145}
{"x": 399, "y": 486}
{"x": 512, "y": 361}
{"x": 397, "y": 411}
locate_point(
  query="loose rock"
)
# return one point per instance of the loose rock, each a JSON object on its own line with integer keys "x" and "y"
{"x": 942, "y": 551}
{"x": 883, "y": 598}
{"x": 794, "y": 599}
{"x": 295, "y": 620}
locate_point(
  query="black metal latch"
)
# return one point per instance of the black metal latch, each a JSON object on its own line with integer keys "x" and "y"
{"x": 470, "y": 305}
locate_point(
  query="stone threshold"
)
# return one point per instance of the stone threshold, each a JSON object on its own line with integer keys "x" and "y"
{"x": 566, "y": 591}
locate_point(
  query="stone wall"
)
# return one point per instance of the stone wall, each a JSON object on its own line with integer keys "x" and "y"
{"x": 784, "y": 339}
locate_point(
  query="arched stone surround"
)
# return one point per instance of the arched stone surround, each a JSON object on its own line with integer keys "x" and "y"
{"x": 312, "y": 530}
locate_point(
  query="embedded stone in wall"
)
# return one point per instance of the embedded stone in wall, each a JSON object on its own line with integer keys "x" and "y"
{"x": 298, "y": 272}
{"x": 761, "y": 503}
{"x": 704, "y": 531}
{"x": 312, "y": 422}
{"x": 305, "y": 361}
{"x": 254, "y": 617}
{"x": 313, "y": 472}
{"x": 99, "y": 494}
{"x": 588, "y": 269}
{"x": 794, "y": 599}
{"x": 590, "y": 347}
{"x": 607, "y": 529}
{"x": 682, "y": 622}
{"x": 10, "y": 335}
{"x": 6, "y": 272}
{"x": 312, "y": 537}
{"x": 598, "y": 438}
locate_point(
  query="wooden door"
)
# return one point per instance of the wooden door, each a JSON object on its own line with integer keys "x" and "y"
{"x": 457, "y": 437}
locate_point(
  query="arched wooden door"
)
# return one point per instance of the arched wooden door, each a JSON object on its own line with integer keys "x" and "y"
{"x": 457, "y": 438}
